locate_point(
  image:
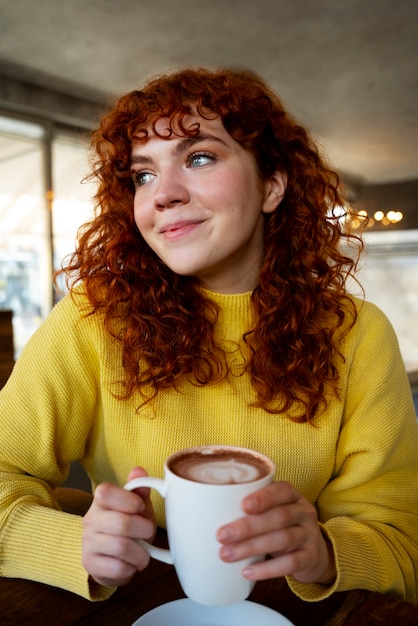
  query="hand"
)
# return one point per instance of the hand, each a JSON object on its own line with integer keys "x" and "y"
{"x": 115, "y": 520}
{"x": 283, "y": 524}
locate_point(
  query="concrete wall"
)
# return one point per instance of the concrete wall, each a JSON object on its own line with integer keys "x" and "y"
{"x": 40, "y": 102}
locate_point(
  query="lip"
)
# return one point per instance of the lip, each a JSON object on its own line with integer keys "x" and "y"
{"x": 179, "y": 229}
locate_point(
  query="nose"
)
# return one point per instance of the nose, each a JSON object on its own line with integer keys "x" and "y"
{"x": 171, "y": 190}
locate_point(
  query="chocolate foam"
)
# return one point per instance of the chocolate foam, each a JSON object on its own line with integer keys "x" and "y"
{"x": 219, "y": 467}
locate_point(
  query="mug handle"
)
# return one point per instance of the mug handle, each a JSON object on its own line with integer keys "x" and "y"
{"x": 159, "y": 485}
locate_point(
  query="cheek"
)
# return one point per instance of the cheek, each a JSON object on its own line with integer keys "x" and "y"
{"x": 137, "y": 220}
{"x": 231, "y": 191}
{"x": 245, "y": 185}
{"x": 141, "y": 217}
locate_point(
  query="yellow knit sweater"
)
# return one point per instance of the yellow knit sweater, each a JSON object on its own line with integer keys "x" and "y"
{"x": 359, "y": 465}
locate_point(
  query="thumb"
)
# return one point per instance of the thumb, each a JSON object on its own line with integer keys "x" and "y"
{"x": 138, "y": 472}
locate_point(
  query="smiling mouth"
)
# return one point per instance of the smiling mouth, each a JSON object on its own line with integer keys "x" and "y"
{"x": 171, "y": 231}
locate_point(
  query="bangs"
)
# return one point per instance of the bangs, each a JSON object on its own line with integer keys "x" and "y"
{"x": 177, "y": 123}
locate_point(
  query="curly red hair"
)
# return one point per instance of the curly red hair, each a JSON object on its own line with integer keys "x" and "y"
{"x": 163, "y": 320}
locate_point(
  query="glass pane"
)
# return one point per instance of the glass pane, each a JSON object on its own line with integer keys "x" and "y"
{"x": 25, "y": 267}
{"x": 390, "y": 279}
{"x": 72, "y": 205}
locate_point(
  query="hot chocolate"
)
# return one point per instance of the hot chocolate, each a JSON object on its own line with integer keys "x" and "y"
{"x": 219, "y": 466}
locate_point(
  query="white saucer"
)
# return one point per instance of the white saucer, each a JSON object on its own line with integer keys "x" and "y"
{"x": 189, "y": 613}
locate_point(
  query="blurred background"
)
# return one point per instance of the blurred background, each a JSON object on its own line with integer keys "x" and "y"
{"x": 347, "y": 69}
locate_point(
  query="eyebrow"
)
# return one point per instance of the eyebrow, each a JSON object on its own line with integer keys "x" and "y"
{"x": 181, "y": 146}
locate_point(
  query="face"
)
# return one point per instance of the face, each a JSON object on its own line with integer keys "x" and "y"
{"x": 200, "y": 205}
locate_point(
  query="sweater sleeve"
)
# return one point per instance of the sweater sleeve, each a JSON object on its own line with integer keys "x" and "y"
{"x": 46, "y": 409}
{"x": 369, "y": 509}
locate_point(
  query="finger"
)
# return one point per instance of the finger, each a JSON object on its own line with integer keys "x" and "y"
{"x": 274, "y": 543}
{"x": 110, "y": 572}
{"x": 114, "y": 558}
{"x": 120, "y": 524}
{"x": 139, "y": 472}
{"x": 121, "y": 548}
{"x": 136, "y": 472}
{"x": 111, "y": 497}
{"x": 275, "y": 519}
{"x": 272, "y": 568}
{"x": 273, "y": 495}
{"x": 303, "y": 564}
{"x": 117, "y": 563}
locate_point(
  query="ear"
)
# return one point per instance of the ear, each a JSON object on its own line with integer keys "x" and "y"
{"x": 275, "y": 189}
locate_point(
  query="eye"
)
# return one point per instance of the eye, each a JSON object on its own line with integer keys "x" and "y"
{"x": 141, "y": 178}
{"x": 199, "y": 159}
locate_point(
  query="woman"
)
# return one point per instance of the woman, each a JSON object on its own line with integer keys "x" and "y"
{"x": 208, "y": 305}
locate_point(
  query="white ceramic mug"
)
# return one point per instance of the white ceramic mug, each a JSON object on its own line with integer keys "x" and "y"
{"x": 194, "y": 513}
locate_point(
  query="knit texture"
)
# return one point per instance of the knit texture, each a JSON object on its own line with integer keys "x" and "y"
{"x": 358, "y": 464}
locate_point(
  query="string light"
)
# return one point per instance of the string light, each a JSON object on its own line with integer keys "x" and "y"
{"x": 361, "y": 219}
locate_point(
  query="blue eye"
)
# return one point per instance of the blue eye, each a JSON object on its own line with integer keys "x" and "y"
{"x": 199, "y": 159}
{"x": 142, "y": 178}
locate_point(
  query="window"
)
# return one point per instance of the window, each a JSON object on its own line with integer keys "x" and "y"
{"x": 72, "y": 204}
{"x": 389, "y": 275}
{"x": 24, "y": 250}
{"x": 42, "y": 203}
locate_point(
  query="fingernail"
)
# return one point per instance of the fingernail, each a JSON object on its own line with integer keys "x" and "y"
{"x": 248, "y": 572}
{"x": 227, "y": 552}
{"x": 250, "y": 505}
{"x": 224, "y": 534}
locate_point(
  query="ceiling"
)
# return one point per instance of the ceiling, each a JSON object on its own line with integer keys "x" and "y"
{"x": 347, "y": 69}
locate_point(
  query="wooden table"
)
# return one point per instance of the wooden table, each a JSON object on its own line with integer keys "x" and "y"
{"x": 23, "y": 602}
